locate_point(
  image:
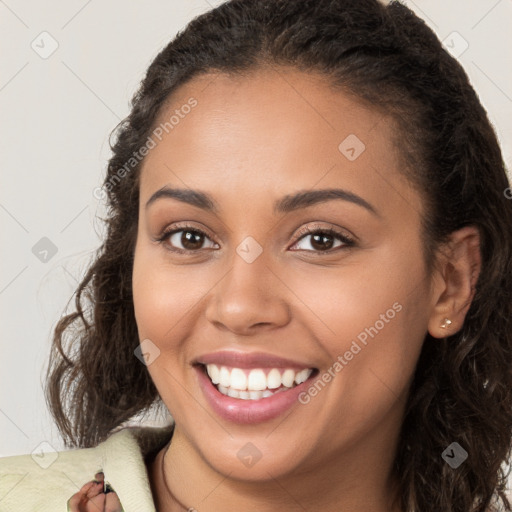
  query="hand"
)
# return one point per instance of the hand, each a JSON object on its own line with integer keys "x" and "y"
{"x": 91, "y": 498}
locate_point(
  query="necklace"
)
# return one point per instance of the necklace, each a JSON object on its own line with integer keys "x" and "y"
{"x": 186, "y": 509}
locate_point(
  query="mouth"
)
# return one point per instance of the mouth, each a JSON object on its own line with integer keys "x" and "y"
{"x": 255, "y": 383}
{"x": 252, "y": 387}
{"x": 252, "y": 406}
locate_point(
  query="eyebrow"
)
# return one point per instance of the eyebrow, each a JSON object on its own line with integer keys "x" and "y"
{"x": 286, "y": 204}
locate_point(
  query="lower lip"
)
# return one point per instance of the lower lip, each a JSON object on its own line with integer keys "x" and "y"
{"x": 246, "y": 412}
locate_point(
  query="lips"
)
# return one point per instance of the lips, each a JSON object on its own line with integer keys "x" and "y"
{"x": 251, "y": 360}
{"x": 251, "y": 387}
{"x": 271, "y": 405}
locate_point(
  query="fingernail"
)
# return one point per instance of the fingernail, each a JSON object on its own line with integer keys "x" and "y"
{"x": 98, "y": 476}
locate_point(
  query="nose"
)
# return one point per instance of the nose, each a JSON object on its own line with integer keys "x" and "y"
{"x": 249, "y": 298}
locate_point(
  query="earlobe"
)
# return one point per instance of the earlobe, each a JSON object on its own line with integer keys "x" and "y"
{"x": 461, "y": 265}
{"x": 446, "y": 323}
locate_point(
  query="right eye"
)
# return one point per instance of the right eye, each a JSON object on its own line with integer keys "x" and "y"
{"x": 191, "y": 239}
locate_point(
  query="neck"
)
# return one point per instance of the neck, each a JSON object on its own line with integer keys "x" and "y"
{"x": 181, "y": 481}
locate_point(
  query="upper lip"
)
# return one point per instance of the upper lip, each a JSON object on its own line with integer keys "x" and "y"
{"x": 249, "y": 360}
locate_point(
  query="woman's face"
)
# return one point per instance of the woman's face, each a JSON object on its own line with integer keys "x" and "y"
{"x": 240, "y": 275}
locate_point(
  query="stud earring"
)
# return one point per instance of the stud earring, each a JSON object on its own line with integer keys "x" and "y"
{"x": 447, "y": 322}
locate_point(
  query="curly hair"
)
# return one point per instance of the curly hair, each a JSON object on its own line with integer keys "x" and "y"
{"x": 388, "y": 58}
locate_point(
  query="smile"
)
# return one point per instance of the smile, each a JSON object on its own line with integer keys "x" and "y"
{"x": 250, "y": 406}
{"x": 257, "y": 383}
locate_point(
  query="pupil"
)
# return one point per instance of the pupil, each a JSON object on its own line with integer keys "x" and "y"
{"x": 187, "y": 240}
{"x": 315, "y": 240}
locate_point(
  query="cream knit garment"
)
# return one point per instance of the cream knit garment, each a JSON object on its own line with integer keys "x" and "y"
{"x": 26, "y": 487}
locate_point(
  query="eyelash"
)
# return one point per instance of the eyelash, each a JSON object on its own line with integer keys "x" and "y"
{"x": 347, "y": 241}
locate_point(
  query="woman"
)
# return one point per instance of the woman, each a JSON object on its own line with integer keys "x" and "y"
{"x": 308, "y": 263}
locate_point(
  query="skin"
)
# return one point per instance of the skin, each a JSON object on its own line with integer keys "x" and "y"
{"x": 92, "y": 498}
{"x": 248, "y": 142}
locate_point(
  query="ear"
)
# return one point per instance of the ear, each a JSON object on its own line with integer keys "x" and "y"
{"x": 457, "y": 270}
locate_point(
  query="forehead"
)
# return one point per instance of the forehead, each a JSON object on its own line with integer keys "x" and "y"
{"x": 272, "y": 129}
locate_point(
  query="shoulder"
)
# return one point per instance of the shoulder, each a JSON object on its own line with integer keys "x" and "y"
{"x": 46, "y": 480}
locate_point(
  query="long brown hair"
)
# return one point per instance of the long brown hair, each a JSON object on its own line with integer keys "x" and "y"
{"x": 387, "y": 57}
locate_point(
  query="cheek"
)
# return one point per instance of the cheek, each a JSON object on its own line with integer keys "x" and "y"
{"x": 164, "y": 294}
{"x": 373, "y": 314}
{"x": 164, "y": 298}
{"x": 342, "y": 302}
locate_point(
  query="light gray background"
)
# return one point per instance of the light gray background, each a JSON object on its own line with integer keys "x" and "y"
{"x": 56, "y": 115}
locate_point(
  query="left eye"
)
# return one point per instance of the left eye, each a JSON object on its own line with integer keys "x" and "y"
{"x": 322, "y": 240}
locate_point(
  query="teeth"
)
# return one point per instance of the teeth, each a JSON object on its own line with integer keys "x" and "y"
{"x": 302, "y": 376}
{"x": 233, "y": 393}
{"x": 238, "y": 379}
{"x": 224, "y": 376}
{"x": 214, "y": 373}
{"x": 273, "y": 379}
{"x": 254, "y": 384}
{"x": 257, "y": 380}
{"x": 288, "y": 378}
